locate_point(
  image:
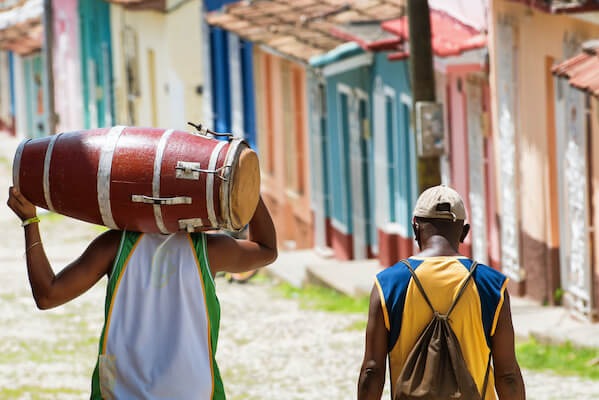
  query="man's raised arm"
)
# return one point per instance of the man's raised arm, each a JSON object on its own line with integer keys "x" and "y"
{"x": 228, "y": 254}
{"x": 50, "y": 290}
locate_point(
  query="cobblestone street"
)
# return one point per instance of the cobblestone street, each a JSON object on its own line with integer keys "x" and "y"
{"x": 269, "y": 348}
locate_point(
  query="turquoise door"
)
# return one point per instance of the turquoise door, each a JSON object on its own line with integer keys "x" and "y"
{"x": 36, "y": 115}
{"x": 96, "y": 62}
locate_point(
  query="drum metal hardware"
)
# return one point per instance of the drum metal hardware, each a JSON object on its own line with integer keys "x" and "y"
{"x": 192, "y": 170}
{"x": 205, "y": 131}
{"x": 188, "y": 170}
{"x": 163, "y": 201}
{"x": 191, "y": 224}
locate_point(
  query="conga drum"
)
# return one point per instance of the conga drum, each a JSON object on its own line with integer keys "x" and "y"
{"x": 141, "y": 179}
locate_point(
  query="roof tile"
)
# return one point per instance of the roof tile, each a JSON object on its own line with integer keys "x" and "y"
{"x": 299, "y": 28}
{"x": 582, "y": 71}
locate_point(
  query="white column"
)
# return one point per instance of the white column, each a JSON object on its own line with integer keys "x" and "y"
{"x": 510, "y": 235}
{"x": 20, "y": 97}
{"x": 236, "y": 86}
{"x": 381, "y": 178}
{"x": 356, "y": 180}
{"x": 572, "y": 177}
{"x": 207, "y": 80}
{"x": 317, "y": 170}
{"x": 476, "y": 158}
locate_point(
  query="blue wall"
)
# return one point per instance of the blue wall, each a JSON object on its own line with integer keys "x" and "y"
{"x": 213, "y": 5}
{"x": 400, "y": 141}
{"x": 221, "y": 90}
{"x": 395, "y": 74}
{"x": 249, "y": 96}
{"x": 221, "y": 78}
{"x": 338, "y": 139}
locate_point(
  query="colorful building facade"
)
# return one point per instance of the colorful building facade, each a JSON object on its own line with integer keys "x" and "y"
{"x": 366, "y": 152}
{"x": 544, "y": 147}
{"x": 285, "y": 35}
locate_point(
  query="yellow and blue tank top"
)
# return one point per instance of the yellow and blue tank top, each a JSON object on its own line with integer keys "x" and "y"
{"x": 161, "y": 322}
{"x": 473, "y": 320}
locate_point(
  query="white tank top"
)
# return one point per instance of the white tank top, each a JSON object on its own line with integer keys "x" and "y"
{"x": 158, "y": 342}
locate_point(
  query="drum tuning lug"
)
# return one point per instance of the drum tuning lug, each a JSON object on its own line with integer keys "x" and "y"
{"x": 163, "y": 201}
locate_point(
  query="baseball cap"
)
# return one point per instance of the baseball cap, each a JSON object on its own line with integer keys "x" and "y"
{"x": 440, "y": 202}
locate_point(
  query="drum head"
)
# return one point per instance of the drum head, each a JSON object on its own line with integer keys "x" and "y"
{"x": 245, "y": 188}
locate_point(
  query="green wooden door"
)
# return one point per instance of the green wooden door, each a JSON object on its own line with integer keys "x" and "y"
{"x": 35, "y": 104}
{"x": 96, "y": 62}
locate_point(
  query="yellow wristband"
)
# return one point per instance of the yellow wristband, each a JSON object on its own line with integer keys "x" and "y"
{"x": 30, "y": 221}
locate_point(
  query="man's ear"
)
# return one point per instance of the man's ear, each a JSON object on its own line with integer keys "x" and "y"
{"x": 465, "y": 232}
{"x": 416, "y": 229}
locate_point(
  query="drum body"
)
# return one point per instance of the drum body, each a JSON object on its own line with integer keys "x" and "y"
{"x": 141, "y": 179}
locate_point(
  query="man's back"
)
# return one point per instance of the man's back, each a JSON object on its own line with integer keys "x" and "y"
{"x": 162, "y": 320}
{"x": 398, "y": 314}
{"x": 473, "y": 320}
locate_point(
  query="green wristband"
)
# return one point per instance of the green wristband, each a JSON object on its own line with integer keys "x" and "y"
{"x": 30, "y": 221}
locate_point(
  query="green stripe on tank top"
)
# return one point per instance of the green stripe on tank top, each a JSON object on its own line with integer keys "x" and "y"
{"x": 128, "y": 242}
{"x": 213, "y": 306}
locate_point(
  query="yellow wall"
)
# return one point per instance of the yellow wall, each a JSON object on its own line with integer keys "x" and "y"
{"x": 539, "y": 35}
{"x": 175, "y": 41}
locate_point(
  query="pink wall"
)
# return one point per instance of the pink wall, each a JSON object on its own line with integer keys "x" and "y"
{"x": 67, "y": 66}
{"x": 459, "y": 144}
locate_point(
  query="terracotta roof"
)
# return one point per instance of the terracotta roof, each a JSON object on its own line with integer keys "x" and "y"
{"x": 450, "y": 36}
{"x": 300, "y": 29}
{"x": 369, "y": 36}
{"x": 21, "y": 27}
{"x": 582, "y": 70}
{"x": 561, "y": 6}
{"x": 141, "y": 5}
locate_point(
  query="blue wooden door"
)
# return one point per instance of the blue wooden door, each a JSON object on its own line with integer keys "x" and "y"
{"x": 96, "y": 62}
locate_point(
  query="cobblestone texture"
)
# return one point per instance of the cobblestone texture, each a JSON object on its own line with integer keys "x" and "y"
{"x": 269, "y": 348}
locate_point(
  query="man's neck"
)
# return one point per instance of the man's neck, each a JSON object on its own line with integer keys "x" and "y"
{"x": 438, "y": 246}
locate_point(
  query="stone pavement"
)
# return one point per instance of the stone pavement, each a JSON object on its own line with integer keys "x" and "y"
{"x": 270, "y": 348}
{"x": 355, "y": 278}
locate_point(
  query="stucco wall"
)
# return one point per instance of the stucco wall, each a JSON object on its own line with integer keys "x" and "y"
{"x": 537, "y": 36}
{"x": 339, "y": 167}
{"x": 290, "y": 209}
{"x": 395, "y": 74}
{"x": 183, "y": 42}
{"x": 175, "y": 40}
{"x": 68, "y": 90}
{"x": 540, "y": 35}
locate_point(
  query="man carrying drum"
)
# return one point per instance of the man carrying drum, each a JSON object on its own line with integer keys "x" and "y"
{"x": 162, "y": 313}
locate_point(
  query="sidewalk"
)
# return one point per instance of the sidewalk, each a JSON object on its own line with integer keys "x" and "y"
{"x": 355, "y": 278}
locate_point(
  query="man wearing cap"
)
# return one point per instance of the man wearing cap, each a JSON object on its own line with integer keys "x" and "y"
{"x": 399, "y": 313}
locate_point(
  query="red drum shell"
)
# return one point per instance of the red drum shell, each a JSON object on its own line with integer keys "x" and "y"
{"x": 139, "y": 179}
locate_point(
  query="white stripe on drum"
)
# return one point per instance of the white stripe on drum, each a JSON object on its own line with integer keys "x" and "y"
{"x": 104, "y": 175}
{"x": 210, "y": 184}
{"x": 16, "y": 164}
{"x": 46, "y": 181}
{"x": 156, "y": 179}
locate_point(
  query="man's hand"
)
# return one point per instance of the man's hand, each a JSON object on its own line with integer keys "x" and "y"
{"x": 372, "y": 373}
{"x": 20, "y": 205}
{"x": 230, "y": 255}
